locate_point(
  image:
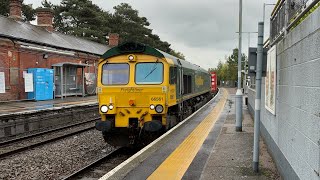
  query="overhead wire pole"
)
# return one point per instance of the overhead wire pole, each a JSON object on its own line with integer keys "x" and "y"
{"x": 239, "y": 91}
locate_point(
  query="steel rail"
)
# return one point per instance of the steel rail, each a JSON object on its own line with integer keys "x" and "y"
{"x": 108, "y": 156}
{"x": 18, "y": 150}
{"x": 3, "y": 143}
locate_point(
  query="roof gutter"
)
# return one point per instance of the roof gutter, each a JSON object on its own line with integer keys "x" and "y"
{"x": 51, "y": 50}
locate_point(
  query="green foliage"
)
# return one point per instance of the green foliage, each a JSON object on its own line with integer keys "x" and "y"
{"x": 229, "y": 69}
{"x": 131, "y": 27}
{"x": 81, "y": 18}
{"x": 28, "y": 13}
{"x": 4, "y": 7}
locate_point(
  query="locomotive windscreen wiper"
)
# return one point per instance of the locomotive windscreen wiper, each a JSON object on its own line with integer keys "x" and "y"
{"x": 153, "y": 69}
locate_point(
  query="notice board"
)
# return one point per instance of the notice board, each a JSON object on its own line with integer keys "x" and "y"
{"x": 270, "y": 81}
{"x": 2, "y": 83}
{"x": 28, "y": 82}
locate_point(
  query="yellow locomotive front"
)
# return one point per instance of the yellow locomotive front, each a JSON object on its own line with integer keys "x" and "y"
{"x": 133, "y": 90}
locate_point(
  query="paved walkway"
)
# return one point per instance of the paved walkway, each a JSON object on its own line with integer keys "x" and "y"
{"x": 231, "y": 157}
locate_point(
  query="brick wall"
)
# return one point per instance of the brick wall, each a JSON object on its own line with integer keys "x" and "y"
{"x": 18, "y": 60}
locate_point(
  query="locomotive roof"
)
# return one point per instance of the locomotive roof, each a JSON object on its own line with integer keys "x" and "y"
{"x": 132, "y": 47}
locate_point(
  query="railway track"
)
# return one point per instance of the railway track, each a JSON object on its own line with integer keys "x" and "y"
{"x": 10, "y": 147}
{"x": 104, "y": 164}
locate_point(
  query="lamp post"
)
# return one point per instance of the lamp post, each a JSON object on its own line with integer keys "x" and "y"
{"x": 239, "y": 91}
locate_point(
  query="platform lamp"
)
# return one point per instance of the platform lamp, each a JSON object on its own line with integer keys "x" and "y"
{"x": 239, "y": 91}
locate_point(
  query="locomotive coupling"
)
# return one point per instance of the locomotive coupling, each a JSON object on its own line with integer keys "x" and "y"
{"x": 152, "y": 126}
{"x": 104, "y": 126}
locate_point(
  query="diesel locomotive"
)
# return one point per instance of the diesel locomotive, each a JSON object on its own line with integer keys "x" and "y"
{"x": 143, "y": 92}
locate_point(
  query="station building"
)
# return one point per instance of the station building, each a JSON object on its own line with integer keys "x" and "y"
{"x": 24, "y": 46}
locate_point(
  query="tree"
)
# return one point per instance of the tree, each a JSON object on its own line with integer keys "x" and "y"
{"x": 81, "y": 18}
{"x": 131, "y": 27}
{"x": 232, "y": 62}
{"x": 229, "y": 70}
{"x": 28, "y": 13}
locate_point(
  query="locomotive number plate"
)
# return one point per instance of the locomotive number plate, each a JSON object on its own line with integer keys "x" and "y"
{"x": 156, "y": 99}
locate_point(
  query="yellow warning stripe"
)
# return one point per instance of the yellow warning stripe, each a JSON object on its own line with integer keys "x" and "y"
{"x": 178, "y": 162}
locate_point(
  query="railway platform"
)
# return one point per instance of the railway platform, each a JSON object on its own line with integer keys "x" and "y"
{"x": 28, "y": 117}
{"x": 204, "y": 146}
{"x": 17, "y": 107}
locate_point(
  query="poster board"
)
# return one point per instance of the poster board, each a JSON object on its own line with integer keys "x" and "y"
{"x": 2, "y": 83}
{"x": 28, "y": 82}
{"x": 270, "y": 81}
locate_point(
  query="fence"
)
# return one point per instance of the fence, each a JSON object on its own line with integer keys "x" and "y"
{"x": 287, "y": 15}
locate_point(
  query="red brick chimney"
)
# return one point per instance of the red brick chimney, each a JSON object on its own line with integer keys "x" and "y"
{"x": 113, "y": 39}
{"x": 15, "y": 9}
{"x": 44, "y": 18}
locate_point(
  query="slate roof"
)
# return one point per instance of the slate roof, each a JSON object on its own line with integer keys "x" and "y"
{"x": 27, "y": 32}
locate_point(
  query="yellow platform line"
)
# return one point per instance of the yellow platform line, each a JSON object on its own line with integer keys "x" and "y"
{"x": 178, "y": 162}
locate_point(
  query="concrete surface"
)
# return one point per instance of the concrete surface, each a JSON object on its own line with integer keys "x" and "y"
{"x": 231, "y": 157}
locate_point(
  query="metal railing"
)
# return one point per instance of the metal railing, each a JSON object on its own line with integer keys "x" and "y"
{"x": 286, "y": 15}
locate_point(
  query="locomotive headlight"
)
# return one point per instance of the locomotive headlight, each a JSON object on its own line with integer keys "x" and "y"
{"x": 152, "y": 107}
{"x": 131, "y": 57}
{"x": 110, "y": 106}
{"x": 159, "y": 108}
{"x": 104, "y": 109}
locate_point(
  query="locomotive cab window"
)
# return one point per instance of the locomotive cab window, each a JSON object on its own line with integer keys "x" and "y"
{"x": 149, "y": 73}
{"x": 173, "y": 75}
{"x": 115, "y": 74}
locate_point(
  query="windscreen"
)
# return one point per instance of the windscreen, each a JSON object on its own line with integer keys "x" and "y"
{"x": 115, "y": 74}
{"x": 149, "y": 73}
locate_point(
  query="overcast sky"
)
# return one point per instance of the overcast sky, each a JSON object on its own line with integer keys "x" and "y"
{"x": 203, "y": 30}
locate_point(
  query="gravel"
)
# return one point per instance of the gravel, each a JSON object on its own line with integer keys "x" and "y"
{"x": 44, "y": 137}
{"x": 57, "y": 159}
